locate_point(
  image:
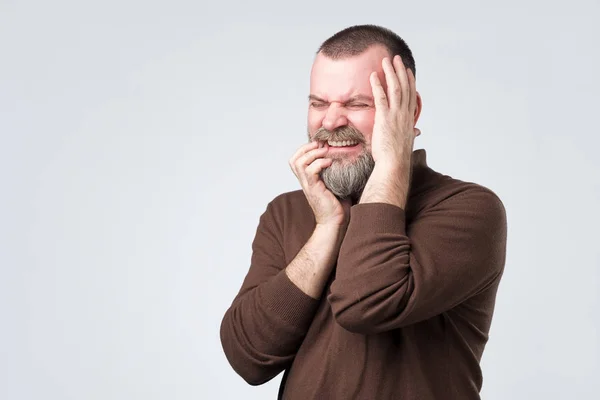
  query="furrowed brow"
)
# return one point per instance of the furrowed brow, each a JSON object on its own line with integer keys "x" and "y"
{"x": 360, "y": 97}
{"x": 357, "y": 98}
{"x": 316, "y": 98}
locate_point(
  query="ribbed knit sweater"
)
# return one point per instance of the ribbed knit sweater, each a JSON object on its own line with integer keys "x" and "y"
{"x": 407, "y": 309}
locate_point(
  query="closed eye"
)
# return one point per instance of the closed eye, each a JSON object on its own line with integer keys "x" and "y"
{"x": 358, "y": 105}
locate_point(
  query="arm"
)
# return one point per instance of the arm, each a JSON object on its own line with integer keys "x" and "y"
{"x": 388, "y": 278}
{"x": 311, "y": 268}
{"x": 266, "y": 323}
{"x": 268, "y": 319}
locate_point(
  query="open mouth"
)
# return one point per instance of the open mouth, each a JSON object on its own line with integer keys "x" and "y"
{"x": 343, "y": 143}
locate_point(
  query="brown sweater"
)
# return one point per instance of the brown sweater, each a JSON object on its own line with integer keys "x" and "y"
{"x": 406, "y": 312}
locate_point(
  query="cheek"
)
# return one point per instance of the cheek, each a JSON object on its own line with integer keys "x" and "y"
{"x": 314, "y": 121}
{"x": 363, "y": 121}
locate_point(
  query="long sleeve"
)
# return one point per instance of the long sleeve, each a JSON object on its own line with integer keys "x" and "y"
{"x": 387, "y": 278}
{"x": 268, "y": 319}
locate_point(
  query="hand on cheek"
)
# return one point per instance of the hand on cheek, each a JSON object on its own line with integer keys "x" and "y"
{"x": 393, "y": 127}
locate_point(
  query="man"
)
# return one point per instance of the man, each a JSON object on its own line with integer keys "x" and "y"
{"x": 378, "y": 279}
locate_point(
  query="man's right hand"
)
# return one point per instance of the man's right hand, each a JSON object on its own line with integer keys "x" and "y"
{"x": 307, "y": 163}
{"x": 313, "y": 264}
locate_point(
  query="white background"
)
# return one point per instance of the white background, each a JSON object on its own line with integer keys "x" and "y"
{"x": 141, "y": 141}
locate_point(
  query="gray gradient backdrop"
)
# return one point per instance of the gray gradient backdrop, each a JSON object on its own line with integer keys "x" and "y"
{"x": 141, "y": 141}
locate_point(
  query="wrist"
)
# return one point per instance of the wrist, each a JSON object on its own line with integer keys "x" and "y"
{"x": 323, "y": 246}
{"x": 388, "y": 183}
{"x": 329, "y": 231}
{"x": 392, "y": 165}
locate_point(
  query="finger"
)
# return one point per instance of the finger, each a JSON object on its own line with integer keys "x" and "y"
{"x": 309, "y": 157}
{"x": 403, "y": 78}
{"x": 379, "y": 97}
{"x": 412, "y": 105}
{"x": 394, "y": 92}
{"x": 302, "y": 150}
{"x": 313, "y": 170}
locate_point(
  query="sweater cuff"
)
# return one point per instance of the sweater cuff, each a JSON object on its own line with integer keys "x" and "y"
{"x": 289, "y": 303}
{"x": 378, "y": 218}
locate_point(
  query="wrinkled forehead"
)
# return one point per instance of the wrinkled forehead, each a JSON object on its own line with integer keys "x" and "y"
{"x": 336, "y": 79}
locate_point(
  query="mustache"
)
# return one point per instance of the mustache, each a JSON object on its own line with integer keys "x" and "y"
{"x": 339, "y": 134}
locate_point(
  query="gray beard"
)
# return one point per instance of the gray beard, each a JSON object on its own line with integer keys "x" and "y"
{"x": 347, "y": 179}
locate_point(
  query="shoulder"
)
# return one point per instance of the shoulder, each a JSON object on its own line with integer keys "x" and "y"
{"x": 289, "y": 205}
{"x": 439, "y": 194}
{"x": 471, "y": 194}
{"x": 437, "y": 189}
{"x": 463, "y": 213}
{"x": 289, "y": 201}
{"x": 291, "y": 216}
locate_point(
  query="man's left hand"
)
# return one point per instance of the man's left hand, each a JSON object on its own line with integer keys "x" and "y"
{"x": 393, "y": 135}
{"x": 393, "y": 131}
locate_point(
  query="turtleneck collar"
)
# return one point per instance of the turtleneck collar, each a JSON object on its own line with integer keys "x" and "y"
{"x": 419, "y": 158}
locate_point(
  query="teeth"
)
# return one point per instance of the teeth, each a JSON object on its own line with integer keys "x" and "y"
{"x": 342, "y": 143}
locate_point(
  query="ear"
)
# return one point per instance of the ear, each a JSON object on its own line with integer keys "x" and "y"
{"x": 418, "y": 107}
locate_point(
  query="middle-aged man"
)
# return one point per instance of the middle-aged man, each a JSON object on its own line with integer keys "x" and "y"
{"x": 378, "y": 279}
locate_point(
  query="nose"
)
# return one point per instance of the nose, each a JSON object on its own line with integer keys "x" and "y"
{"x": 335, "y": 117}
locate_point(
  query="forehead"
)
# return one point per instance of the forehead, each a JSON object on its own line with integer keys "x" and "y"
{"x": 339, "y": 79}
